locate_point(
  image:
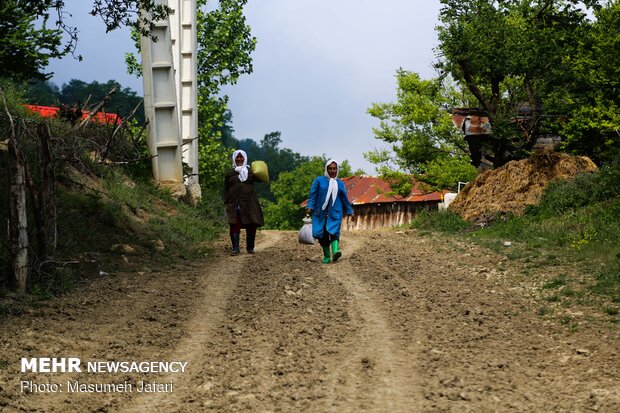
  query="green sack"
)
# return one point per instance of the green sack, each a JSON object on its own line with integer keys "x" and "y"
{"x": 260, "y": 171}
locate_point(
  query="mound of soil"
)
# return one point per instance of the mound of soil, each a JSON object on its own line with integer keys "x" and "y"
{"x": 512, "y": 187}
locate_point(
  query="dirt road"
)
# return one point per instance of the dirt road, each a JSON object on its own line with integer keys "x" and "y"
{"x": 402, "y": 323}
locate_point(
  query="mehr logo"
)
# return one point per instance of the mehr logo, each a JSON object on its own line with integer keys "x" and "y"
{"x": 50, "y": 365}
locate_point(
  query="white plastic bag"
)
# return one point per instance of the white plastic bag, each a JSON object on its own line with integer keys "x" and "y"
{"x": 305, "y": 233}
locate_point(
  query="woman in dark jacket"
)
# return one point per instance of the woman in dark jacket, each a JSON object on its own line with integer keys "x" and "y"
{"x": 242, "y": 207}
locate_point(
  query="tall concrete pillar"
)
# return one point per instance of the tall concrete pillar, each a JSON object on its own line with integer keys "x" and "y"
{"x": 184, "y": 38}
{"x": 170, "y": 96}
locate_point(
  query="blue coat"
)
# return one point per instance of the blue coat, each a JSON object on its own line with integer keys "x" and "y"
{"x": 333, "y": 213}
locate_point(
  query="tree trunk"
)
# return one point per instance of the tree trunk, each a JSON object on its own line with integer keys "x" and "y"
{"x": 18, "y": 224}
{"x": 47, "y": 191}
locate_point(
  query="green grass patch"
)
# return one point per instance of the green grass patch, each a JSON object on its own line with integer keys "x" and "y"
{"x": 587, "y": 237}
{"x": 446, "y": 222}
{"x": 607, "y": 282}
{"x": 556, "y": 282}
{"x": 181, "y": 227}
{"x": 568, "y": 292}
{"x": 543, "y": 311}
{"x": 122, "y": 211}
{"x": 577, "y": 224}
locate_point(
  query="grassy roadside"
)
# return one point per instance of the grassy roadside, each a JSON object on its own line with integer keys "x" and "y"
{"x": 126, "y": 224}
{"x": 110, "y": 215}
{"x": 569, "y": 244}
{"x": 112, "y": 224}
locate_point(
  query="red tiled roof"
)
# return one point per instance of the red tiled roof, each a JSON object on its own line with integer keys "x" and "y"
{"x": 374, "y": 190}
{"x": 364, "y": 189}
{"x": 52, "y": 112}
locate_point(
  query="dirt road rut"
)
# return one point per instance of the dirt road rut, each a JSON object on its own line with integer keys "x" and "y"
{"x": 402, "y": 323}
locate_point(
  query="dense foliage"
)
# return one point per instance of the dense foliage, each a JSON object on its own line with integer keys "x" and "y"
{"x": 422, "y": 139}
{"x": 536, "y": 68}
{"x": 97, "y": 190}
{"x": 225, "y": 45}
{"x": 25, "y": 49}
{"x": 593, "y": 103}
{"x": 546, "y": 68}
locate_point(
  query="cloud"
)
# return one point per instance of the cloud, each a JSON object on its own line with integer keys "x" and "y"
{"x": 318, "y": 66}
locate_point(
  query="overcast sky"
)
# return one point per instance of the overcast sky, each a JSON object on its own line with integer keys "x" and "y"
{"x": 318, "y": 66}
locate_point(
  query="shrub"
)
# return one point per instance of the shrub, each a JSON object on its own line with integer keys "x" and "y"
{"x": 584, "y": 189}
{"x": 447, "y": 222}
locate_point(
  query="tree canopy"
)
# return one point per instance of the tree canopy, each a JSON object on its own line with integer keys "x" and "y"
{"x": 421, "y": 137}
{"x": 25, "y": 50}
{"x": 544, "y": 68}
{"x": 225, "y": 45}
{"x": 521, "y": 60}
{"x": 593, "y": 93}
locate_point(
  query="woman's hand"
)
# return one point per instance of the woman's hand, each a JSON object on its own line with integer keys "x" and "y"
{"x": 308, "y": 212}
{"x": 352, "y": 217}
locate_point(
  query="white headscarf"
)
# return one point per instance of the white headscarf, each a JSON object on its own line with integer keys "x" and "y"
{"x": 332, "y": 190}
{"x": 243, "y": 169}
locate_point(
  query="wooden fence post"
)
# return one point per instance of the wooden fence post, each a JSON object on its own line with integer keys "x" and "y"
{"x": 18, "y": 223}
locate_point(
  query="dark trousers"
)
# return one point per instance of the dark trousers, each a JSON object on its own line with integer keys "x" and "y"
{"x": 250, "y": 232}
{"x": 250, "y": 229}
{"x": 327, "y": 238}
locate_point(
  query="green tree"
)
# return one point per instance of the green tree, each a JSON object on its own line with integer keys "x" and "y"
{"x": 446, "y": 173}
{"x": 224, "y": 52}
{"x": 510, "y": 55}
{"x": 42, "y": 92}
{"x": 593, "y": 95}
{"x": 24, "y": 49}
{"x": 422, "y": 138}
{"x": 122, "y": 102}
{"x": 224, "y": 48}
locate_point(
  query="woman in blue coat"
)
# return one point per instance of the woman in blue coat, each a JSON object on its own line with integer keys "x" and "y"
{"x": 327, "y": 204}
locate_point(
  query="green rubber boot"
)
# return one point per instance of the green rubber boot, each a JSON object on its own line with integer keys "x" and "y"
{"x": 335, "y": 251}
{"x": 326, "y": 255}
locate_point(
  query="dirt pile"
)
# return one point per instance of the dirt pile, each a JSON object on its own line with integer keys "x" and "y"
{"x": 517, "y": 184}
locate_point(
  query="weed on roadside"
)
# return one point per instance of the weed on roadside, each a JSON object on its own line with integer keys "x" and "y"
{"x": 574, "y": 229}
{"x": 556, "y": 282}
{"x": 446, "y": 222}
{"x": 543, "y": 311}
